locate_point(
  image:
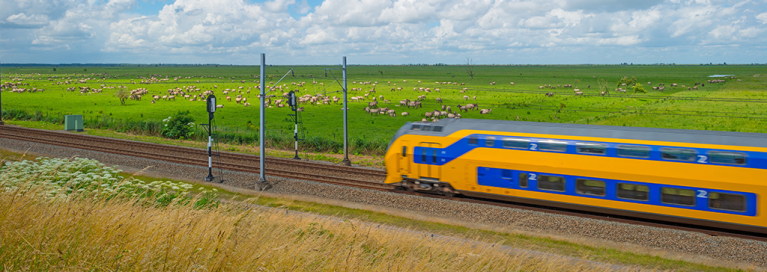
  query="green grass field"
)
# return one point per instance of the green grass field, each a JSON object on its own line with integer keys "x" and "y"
{"x": 730, "y": 106}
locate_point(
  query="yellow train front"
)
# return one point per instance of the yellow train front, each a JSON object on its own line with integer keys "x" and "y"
{"x": 705, "y": 178}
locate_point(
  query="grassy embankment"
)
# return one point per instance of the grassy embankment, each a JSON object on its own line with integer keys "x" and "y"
{"x": 47, "y": 224}
{"x": 371, "y": 134}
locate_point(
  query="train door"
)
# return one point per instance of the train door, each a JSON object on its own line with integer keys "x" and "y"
{"x": 429, "y": 160}
{"x": 405, "y": 160}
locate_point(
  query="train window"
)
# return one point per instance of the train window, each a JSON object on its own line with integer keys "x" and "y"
{"x": 590, "y": 187}
{"x": 677, "y": 196}
{"x": 552, "y": 146}
{"x": 434, "y": 158}
{"x": 634, "y": 151}
{"x": 423, "y": 155}
{"x": 725, "y": 201}
{"x": 489, "y": 141}
{"x": 426, "y": 128}
{"x": 415, "y": 127}
{"x": 437, "y": 129}
{"x": 516, "y": 143}
{"x": 551, "y": 183}
{"x": 727, "y": 157}
{"x": 404, "y": 151}
{"x": 473, "y": 140}
{"x": 633, "y": 191}
{"x": 506, "y": 174}
{"x": 591, "y": 148}
{"x": 523, "y": 180}
{"x": 678, "y": 154}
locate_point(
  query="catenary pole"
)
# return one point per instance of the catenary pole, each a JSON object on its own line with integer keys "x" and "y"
{"x": 262, "y": 127}
{"x": 346, "y": 160}
{"x": 1, "y": 100}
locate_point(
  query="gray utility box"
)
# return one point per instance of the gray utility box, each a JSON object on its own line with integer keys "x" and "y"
{"x": 73, "y": 122}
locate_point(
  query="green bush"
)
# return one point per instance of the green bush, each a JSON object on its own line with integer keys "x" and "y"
{"x": 179, "y": 125}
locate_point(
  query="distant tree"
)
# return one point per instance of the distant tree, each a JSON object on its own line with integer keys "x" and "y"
{"x": 54, "y": 69}
{"x": 123, "y": 95}
{"x": 628, "y": 81}
{"x": 561, "y": 106}
{"x": 637, "y": 88}
{"x": 381, "y": 72}
{"x": 602, "y": 83}
{"x": 85, "y": 70}
{"x": 470, "y": 68}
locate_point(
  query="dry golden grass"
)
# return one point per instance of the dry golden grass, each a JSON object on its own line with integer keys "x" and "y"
{"x": 40, "y": 234}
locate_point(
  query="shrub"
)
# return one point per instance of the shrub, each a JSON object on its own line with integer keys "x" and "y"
{"x": 179, "y": 125}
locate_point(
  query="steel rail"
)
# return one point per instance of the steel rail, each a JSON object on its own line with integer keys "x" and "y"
{"x": 203, "y": 163}
{"x": 195, "y": 151}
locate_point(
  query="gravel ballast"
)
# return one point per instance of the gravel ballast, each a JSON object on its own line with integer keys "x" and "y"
{"x": 576, "y": 228}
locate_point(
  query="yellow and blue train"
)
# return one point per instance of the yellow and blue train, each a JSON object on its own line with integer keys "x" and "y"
{"x": 707, "y": 178}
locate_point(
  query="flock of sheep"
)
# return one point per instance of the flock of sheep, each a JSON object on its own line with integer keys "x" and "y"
{"x": 238, "y": 93}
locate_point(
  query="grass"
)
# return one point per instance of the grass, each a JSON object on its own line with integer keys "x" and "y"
{"x": 94, "y": 234}
{"x": 322, "y": 127}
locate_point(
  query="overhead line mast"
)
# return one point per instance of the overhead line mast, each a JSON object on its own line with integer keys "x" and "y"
{"x": 1, "y": 98}
{"x": 261, "y": 128}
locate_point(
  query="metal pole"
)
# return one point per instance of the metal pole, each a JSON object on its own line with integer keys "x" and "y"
{"x": 346, "y": 160}
{"x": 295, "y": 133}
{"x": 210, "y": 147}
{"x": 294, "y": 106}
{"x": 1, "y": 100}
{"x": 262, "y": 127}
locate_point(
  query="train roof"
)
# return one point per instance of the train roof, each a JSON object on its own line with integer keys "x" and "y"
{"x": 450, "y": 126}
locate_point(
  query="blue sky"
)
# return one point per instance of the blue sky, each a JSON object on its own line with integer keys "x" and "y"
{"x": 383, "y": 31}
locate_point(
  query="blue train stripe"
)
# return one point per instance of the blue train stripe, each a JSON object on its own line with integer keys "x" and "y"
{"x": 496, "y": 177}
{"x": 424, "y": 155}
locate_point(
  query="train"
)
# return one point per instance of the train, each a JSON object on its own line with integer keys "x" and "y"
{"x": 712, "y": 179}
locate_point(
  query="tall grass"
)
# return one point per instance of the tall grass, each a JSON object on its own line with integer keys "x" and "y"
{"x": 40, "y": 233}
{"x": 17, "y": 114}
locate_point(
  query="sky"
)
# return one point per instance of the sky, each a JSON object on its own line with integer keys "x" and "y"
{"x": 308, "y": 32}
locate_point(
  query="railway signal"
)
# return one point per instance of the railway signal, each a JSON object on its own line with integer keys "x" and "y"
{"x": 211, "y": 108}
{"x": 293, "y": 103}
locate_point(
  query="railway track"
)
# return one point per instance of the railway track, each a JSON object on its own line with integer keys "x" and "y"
{"x": 303, "y": 170}
{"x": 285, "y": 168}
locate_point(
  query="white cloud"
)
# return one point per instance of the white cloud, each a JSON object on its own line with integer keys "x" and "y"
{"x": 762, "y": 17}
{"x": 408, "y": 11}
{"x": 33, "y": 20}
{"x": 390, "y": 31}
{"x": 278, "y": 5}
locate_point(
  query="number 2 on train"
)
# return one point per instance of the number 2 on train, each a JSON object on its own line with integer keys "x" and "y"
{"x": 702, "y": 159}
{"x": 702, "y": 194}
